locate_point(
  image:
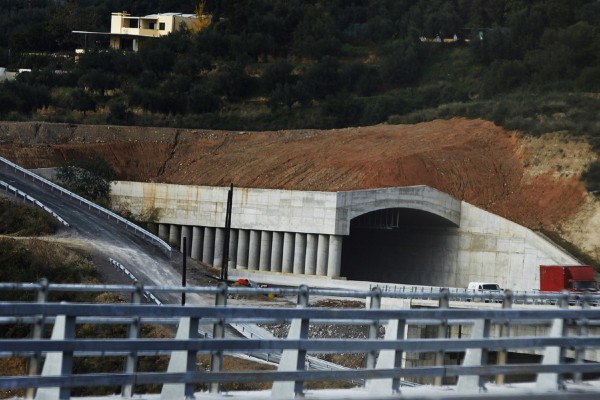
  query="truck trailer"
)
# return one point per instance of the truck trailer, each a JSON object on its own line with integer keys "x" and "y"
{"x": 574, "y": 278}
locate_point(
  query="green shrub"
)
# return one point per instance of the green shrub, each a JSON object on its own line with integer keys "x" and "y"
{"x": 25, "y": 220}
{"x": 88, "y": 178}
{"x": 32, "y": 260}
{"x": 589, "y": 79}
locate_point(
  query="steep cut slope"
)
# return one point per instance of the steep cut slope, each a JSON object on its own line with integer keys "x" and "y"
{"x": 532, "y": 181}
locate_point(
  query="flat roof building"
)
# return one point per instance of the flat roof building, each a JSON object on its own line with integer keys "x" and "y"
{"x": 127, "y": 31}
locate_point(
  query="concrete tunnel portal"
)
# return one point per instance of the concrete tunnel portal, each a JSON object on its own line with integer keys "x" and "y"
{"x": 401, "y": 245}
{"x": 411, "y": 235}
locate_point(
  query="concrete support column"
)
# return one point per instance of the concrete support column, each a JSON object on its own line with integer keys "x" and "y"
{"x": 322, "y": 255}
{"x": 219, "y": 241}
{"x": 287, "y": 264}
{"x": 58, "y": 363}
{"x": 334, "y": 261}
{"x": 312, "y": 241}
{"x": 163, "y": 231}
{"x": 174, "y": 235}
{"x": 186, "y": 232}
{"x": 299, "y": 253}
{"x": 254, "y": 250}
{"x": 265, "y": 251}
{"x": 208, "y": 248}
{"x": 197, "y": 242}
{"x": 242, "y": 251}
{"x": 276, "y": 251}
{"x": 233, "y": 244}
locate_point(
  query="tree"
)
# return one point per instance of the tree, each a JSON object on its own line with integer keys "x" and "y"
{"x": 81, "y": 101}
{"x": 283, "y": 95}
{"x": 277, "y": 73}
{"x": 402, "y": 62}
{"x": 322, "y": 79}
{"x": 315, "y": 36}
{"x": 589, "y": 79}
{"x": 202, "y": 21}
{"x": 231, "y": 81}
{"x": 27, "y": 98}
{"x": 98, "y": 81}
{"x": 90, "y": 178}
{"x": 504, "y": 75}
{"x": 118, "y": 113}
{"x": 359, "y": 78}
{"x": 201, "y": 101}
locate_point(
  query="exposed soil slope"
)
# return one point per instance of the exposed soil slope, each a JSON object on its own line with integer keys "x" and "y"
{"x": 532, "y": 181}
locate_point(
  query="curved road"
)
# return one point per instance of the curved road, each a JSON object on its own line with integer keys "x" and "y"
{"x": 106, "y": 238}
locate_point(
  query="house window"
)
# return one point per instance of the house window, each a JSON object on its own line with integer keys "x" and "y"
{"x": 151, "y": 25}
{"x": 161, "y": 26}
{"x": 133, "y": 23}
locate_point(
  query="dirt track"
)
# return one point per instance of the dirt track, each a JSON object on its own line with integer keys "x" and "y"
{"x": 532, "y": 181}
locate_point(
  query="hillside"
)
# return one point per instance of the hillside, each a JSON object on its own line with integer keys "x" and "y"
{"x": 530, "y": 180}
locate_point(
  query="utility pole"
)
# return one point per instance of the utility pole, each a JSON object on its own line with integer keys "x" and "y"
{"x": 225, "y": 266}
{"x": 184, "y": 270}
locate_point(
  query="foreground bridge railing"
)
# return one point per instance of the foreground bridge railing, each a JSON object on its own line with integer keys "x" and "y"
{"x": 558, "y": 329}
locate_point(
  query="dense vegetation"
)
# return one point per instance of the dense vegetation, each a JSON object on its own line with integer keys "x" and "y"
{"x": 19, "y": 219}
{"x": 321, "y": 64}
{"x": 273, "y": 64}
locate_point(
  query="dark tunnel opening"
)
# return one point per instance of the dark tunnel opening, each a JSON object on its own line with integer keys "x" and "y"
{"x": 399, "y": 245}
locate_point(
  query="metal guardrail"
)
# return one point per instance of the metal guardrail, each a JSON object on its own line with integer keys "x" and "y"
{"x": 552, "y": 327}
{"x": 249, "y": 331}
{"x": 145, "y": 234}
{"x": 147, "y": 294}
{"x": 522, "y": 297}
{"x": 27, "y": 197}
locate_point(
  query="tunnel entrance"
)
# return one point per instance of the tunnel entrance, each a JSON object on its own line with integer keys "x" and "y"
{"x": 400, "y": 245}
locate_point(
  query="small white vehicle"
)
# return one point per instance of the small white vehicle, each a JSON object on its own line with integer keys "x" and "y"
{"x": 485, "y": 287}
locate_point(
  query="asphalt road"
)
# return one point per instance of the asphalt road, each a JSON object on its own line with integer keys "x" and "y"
{"x": 105, "y": 238}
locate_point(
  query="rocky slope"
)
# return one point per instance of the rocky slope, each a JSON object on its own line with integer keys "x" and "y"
{"x": 532, "y": 181}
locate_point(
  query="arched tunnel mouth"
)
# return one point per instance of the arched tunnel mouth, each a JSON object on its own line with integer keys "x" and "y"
{"x": 399, "y": 245}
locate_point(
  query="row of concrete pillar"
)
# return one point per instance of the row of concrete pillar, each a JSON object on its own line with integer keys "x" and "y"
{"x": 255, "y": 250}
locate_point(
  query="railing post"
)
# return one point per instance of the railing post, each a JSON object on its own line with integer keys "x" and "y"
{"x": 582, "y": 331}
{"x": 216, "y": 358}
{"x": 373, "y": 327}
{"x": 475, "y": 358}
{"x": 182, "y": 361}
{"x": 58, "y": 363}
{"x": 37, "y": 332}
{"x": 127, "y": 390}
{"x": 388, "y": 359}
{"x": 293, "y": 360}
{"x": 504, "y": 332}
{"x": 554, "y": 355}
{"x": 444, "y": 303}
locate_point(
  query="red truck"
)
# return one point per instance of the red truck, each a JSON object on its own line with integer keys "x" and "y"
{"x": 574, "y": 278}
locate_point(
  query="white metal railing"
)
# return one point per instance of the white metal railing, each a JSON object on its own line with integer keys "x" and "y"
{"x": 249, "y": 331}
{"x": 557, "y": 329}
{"x": 145, "y": 234}
{"x": 27, "y": 197}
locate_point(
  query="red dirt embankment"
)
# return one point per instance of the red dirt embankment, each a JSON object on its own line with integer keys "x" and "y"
{"x": 473, "y": 160}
